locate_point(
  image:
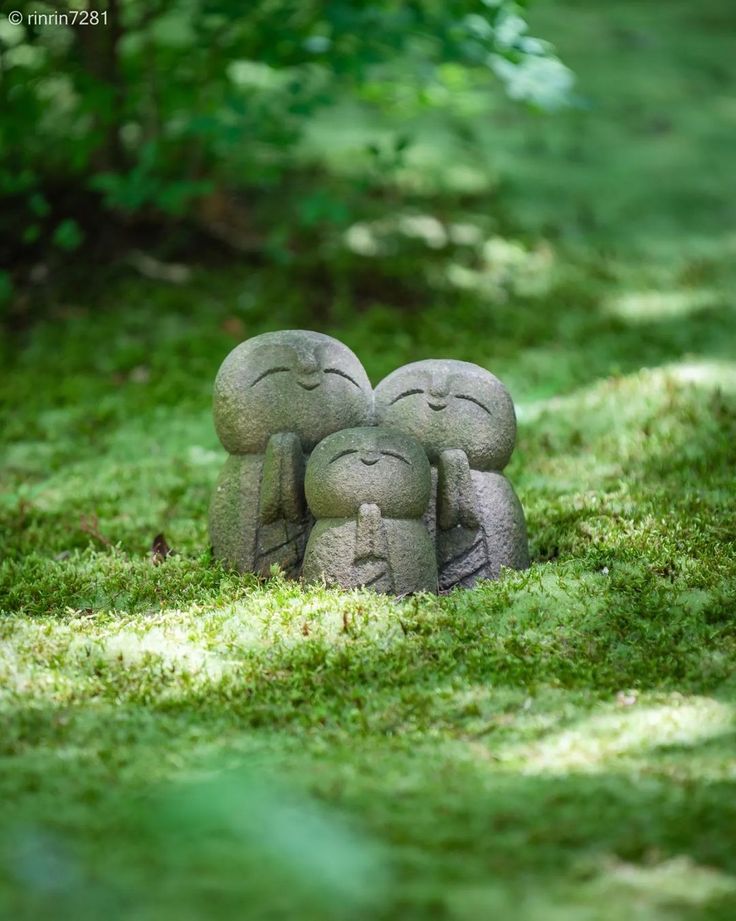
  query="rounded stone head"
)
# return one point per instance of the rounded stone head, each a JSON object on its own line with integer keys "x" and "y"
{"x": 290, "y": 381}
{"x": 450, "y": 404}
{"x": 368, "y": 465}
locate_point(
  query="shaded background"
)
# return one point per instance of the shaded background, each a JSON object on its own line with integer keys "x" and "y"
{"x": 340, "y": 144}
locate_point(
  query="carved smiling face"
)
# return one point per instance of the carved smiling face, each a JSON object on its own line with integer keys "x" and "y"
{"x": 291, "y": 381}
{"x": 450, "y": 404}
{"x": 349, "y": 468}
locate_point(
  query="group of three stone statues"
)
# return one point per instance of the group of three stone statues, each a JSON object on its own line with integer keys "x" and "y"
{"x": 398, "y": 489}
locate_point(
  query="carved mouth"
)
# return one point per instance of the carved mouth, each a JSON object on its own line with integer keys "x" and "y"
{"x": 308, "y": 386}
{"x": 437, "y": 406}
{"x": 369, "y": 461}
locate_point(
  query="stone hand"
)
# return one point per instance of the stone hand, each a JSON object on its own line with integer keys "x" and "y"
{"x": 370, "y": 537}
{"x": 282, "y": 485}
{"x": 456, "y": 502}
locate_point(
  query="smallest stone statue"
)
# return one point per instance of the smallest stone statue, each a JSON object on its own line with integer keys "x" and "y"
{"x": 368, "y": 489}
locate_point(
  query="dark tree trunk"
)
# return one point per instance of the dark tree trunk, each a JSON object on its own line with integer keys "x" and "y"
{"x": 99, "y": 54}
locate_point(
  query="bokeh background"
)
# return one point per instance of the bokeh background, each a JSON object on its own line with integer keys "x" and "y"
{"x": 546, "y": 189}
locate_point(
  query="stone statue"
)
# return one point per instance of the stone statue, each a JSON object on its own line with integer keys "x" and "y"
{"x": 464, "y": 417}
{"x": 275, "y": 397}
{"x": 368, "y": 489}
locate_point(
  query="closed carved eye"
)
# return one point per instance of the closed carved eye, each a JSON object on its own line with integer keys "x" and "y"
{"x": 464, "y": 396}
{"x": 396, "y": 455}
{"x": 343, "y": 454}
{"x": 342, "y": 374}
{"x": 269, "y": 371}
{"x": 406, "y": 393}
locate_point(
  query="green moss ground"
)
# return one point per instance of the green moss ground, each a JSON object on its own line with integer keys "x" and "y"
{"x": 181, "y": 743}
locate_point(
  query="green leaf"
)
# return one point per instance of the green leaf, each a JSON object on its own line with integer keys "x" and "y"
{"x": 68, "y": 235}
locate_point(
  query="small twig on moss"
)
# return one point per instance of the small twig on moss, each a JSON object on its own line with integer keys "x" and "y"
{"x": 90, "y": 524}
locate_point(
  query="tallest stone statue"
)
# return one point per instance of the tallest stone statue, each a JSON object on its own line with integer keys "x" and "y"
{"x": 276, "y": 396}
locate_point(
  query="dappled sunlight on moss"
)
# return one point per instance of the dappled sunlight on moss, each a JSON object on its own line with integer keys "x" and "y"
{"x": 601, "y": 741}
{"x": 557, "y": 745}
{"x": 678, "y": 881}
{"x": 255, "y": 649}
{"x": 169, "y": 647}
{"x": 626, "y": 400}
{"x": 617, "y": 889}
{"x": 644, "y": 306}
{"x": 17, "y": 674}
{"x": 505, "y": 269}
{"x": 610, "y": 434}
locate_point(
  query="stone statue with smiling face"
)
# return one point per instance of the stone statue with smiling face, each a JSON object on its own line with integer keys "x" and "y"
{"x": 275, "y": 397}
{"x": 464, "y": 417}
{"x": 368, "y": 489}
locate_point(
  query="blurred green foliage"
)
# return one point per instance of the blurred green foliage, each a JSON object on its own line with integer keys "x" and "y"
{"x": 293, "y": 857}
{"x": 170, "y": 101}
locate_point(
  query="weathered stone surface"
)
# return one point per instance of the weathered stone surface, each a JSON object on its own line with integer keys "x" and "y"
{"x": 290, "y": 381}
{"x": 450, "y": 404}
{"x": 275, "y": 397}
{"x": 467, "y": 552}
{"x": 368, "y": 489}
{"x": 464, "y": 417}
